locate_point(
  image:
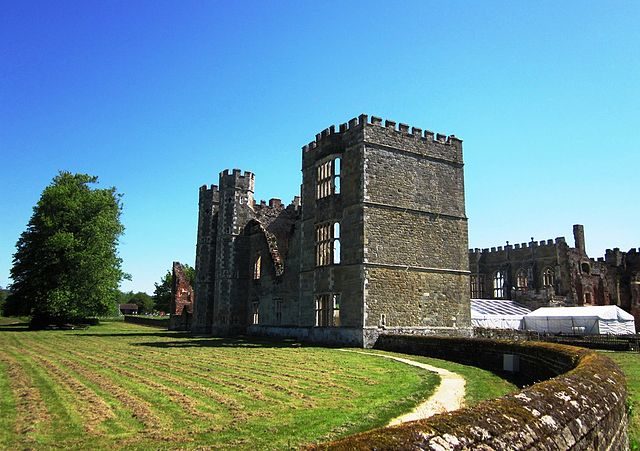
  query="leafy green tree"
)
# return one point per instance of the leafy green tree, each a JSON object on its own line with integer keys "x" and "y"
{"x": 144, "y": 302}
{"x": 66, "y": 266}
{"x": 162, "y": 292}
{"x": 3, "y": 298}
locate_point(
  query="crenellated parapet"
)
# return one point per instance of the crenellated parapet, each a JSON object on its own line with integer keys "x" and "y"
{"x": 397, "y": 127}
{"x": 518, "y": 246}
{"x": 237, "y": 179}
{"x": 209, "y": 194}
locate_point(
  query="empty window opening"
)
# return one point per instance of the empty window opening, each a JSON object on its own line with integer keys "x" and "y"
{"x": 476, "y": 286}
{"x": 328, "y": 310}
{"x": 328, "y": 244}
{"x": 498, "y": 285}
{"x": 328, "y": 178}
{"x": 587, "y": 298}
{"x": 257, "y": 267}
{"x": 548, "y": 277}
{"x": 586, "y": 268}
{"x": 322, "y": 311}
{"x": 336, "y": 311}
{"x": 255, "y": 319}
{"x": 522, "y": 280}
{"x": 383, "y": 319}
{"x": 336, "y": 243}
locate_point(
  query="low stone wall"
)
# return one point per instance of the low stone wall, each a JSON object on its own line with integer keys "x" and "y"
{"x": 146, "y": 321}
{"x": 580, "y": 406}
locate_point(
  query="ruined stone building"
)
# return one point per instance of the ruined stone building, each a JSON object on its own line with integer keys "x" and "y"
{"x": 181, "y": 304}
{"x": 377, "y": 242}
{"x": 551, "y": 272}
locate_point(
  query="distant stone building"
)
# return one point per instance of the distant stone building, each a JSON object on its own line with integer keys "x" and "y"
{"x": 376, "y": 243}
{"x": 551, "y": 272}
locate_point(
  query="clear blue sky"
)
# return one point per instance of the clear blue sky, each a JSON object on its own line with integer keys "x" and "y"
{"x": 157, "y": 97}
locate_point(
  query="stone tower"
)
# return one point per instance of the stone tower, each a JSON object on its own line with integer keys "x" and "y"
{"x": 208, "y": 207}
{"x": 384, "y": 231}
{"x": 221, "y": 258}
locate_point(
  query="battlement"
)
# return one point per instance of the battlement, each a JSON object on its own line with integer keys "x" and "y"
{"x": 237, "y": 179}
{"x": 518, "y": 246}
{"x": 210, "y": 193}
{"x": 400, "y": 128}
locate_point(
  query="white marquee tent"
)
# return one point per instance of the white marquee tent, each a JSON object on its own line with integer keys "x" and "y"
{"x": 588, "y": 320}
{"x": 497, "y": 314}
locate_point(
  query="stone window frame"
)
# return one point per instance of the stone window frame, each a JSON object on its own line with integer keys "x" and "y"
{"x": 255, "y": 312}
{"x": 327, "y": 241}
{"x": 498, "y": 284}
{"x": 327, "y": 310}
{"x": 477, "y": 287}
{"x": 522, "y": 279}
{"x": 328, "y": 177}
{"x": 548, "y": 277}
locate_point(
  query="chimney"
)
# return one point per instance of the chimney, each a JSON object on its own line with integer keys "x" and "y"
{"x": 578, "y": 237}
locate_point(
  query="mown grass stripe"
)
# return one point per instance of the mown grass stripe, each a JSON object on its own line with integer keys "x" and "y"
{"x": 32, "y": 415}
{"x": 7, "y": 408}
{"x": 91, "y": 408}
{"x": 140, "y": 409}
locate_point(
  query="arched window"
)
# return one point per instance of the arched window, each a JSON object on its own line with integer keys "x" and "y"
{"x": 522, "y": 280}
{"x": 498, "y": 285}
{"x": 257, "y": 267}
{"x": 548, "y": 277}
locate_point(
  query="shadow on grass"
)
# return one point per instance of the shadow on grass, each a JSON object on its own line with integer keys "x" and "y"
{"x": 138, "y": 334}
{"x": 237, "y": 342}
{"x": 15, "y": 327}
{"x": 13, "y": 324}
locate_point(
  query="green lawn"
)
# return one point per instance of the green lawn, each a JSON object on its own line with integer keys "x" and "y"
{"x": 122, "y": 385}
{"x": 630, "y": 364}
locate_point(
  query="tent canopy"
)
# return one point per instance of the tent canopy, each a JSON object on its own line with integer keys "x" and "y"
{"x": 601, "y": 319}
{"x": 497, "y": 314}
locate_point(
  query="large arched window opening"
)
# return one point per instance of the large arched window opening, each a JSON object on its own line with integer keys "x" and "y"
{"x": 498, "y": 285}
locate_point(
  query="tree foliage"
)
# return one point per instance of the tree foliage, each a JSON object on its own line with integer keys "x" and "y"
{"x": 145, "y": 303}
{"x": 66, "y": 266}
{"x": 162, "y": 292}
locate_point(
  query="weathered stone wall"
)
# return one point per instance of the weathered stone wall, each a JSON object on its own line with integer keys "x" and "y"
{"x": 582, "y": 406}
{"x": 181, "y": 305}
{"x": 415, "y": 229}
{"x": 208, "y": 206}
{"x": 416, "y": 298}
{"x": 344, "y": 207}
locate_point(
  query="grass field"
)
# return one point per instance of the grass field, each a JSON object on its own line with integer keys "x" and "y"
{"x": 630, "y": 364}
{"x": 122, "y": 385}
{"x": 480, "y": 384}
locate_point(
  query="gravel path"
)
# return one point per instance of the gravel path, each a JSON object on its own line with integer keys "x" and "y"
{"x": 448, "y": 396}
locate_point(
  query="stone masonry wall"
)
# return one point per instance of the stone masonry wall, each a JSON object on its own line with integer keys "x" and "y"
{"x": 415, "y": 229}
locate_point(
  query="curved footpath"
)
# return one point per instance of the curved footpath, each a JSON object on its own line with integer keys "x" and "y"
{"x": 448, "y": 396}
